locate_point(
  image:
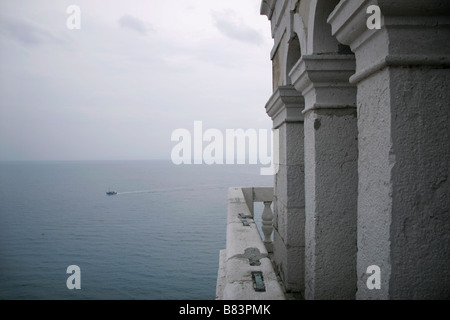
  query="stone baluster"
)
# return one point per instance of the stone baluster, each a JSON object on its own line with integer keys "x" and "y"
{"x": 267, "y": 225}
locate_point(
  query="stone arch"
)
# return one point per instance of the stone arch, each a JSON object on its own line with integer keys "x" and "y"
{"x": 298, "y": 27}
{"x": 320, "y": 39}
{"x": 293, "y": 55}
{"x": 296, "y": 43}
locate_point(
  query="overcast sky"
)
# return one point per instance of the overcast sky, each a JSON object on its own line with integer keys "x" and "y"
{"x": 136, "y": 71}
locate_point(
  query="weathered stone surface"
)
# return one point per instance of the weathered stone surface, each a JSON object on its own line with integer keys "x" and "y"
{"x": 364, "y": 176}
{"x": 285, "y": 108}
{"x": 245, "y": 252}
{"x": 331, "y": 189}
{"x": 404, "y": 145}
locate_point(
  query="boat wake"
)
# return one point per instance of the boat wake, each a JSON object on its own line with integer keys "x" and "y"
{"x": 185, "y": 188}
{"x": 136, "y": 192}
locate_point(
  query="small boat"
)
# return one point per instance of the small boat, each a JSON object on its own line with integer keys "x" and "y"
{"x": 111, "y": 193}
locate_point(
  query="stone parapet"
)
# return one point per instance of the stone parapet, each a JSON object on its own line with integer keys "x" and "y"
{"x": 246, "y": 254}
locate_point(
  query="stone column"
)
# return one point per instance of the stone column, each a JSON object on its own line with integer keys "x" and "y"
{"x": 331, "y": 177}
{"x": 285, "y": 108}
{"x": 403, "y": 82}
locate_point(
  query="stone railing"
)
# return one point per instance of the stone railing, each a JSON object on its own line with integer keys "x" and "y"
{"x": 245, "y": 269}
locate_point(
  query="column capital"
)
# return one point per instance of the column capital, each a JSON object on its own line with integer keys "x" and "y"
{"x": 324, "y": 80}
{"x": 412, "y": 33}
{"x": 285, "y": 105}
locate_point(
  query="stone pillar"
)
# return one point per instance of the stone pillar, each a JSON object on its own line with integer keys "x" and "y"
{"x": 285, "y": 108}
{"x": 331, "y": 176}
{"x": 403, "y": 106}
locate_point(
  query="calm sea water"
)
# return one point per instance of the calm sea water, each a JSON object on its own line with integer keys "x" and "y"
{"x": 158, "y": 239}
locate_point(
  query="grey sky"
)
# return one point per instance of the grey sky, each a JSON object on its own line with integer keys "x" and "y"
{"x": 136, "y": 71}
{"x": 133, "y": 23}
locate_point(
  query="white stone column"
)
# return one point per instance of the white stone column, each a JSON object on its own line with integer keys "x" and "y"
{"x": 267, "y": 226}
{"x": 403, "y": 82}
{"x": 285, "y": 108}
{"x": 330, "y": 174}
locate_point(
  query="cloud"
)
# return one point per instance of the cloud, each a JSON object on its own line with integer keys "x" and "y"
{"x": 130, "y": 22}
{"x": 228, "y": 25}
{"x": 27, "y": 33}
{"x": 129, "y": 77}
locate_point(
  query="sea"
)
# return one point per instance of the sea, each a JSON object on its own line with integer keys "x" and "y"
{"x": 158, "y": 239}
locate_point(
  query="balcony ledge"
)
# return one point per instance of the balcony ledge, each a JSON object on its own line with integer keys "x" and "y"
{"x": 245, "y": 251}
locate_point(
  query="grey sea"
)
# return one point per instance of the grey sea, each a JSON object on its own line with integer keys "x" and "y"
{"x": 157, "y": 239}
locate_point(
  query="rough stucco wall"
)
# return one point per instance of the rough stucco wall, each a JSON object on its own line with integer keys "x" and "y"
{"x": 420, "y": 230}
{"x": 289, "y": 207}
{"x": 403, "y": 190}
{"x": 374, "y": 191}
{"x": 310, "y": 195}
{"x": 331, "y": 186}
{"x": 403, "y": 202}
